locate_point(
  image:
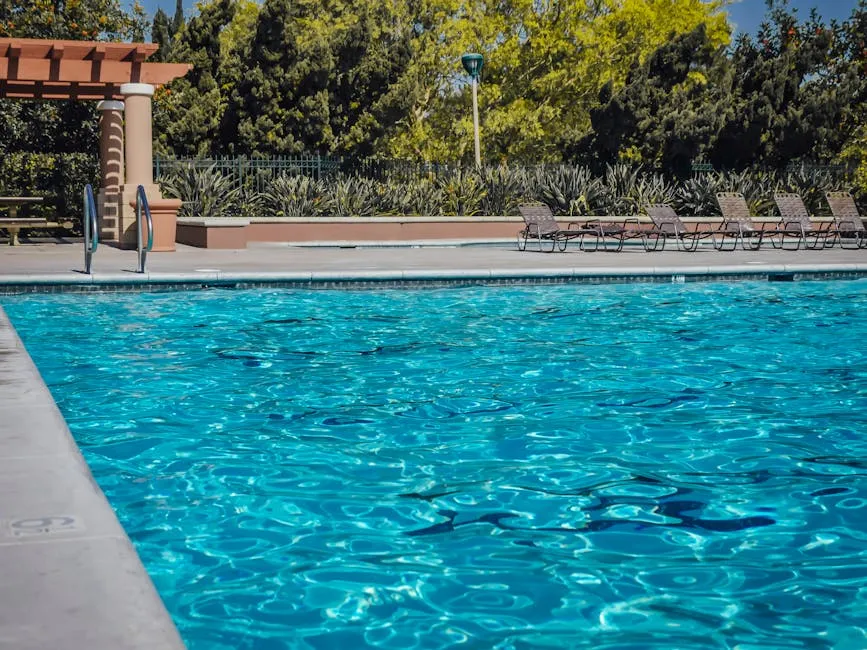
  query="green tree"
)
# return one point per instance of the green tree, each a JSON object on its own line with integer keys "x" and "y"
{"x": 545, "y": 65}
{"x": 188, "y": 113}
{"x": 55, "y": 126}
{"x": 370, "y": 42}
{"x": 795, "y": 92}
{"x": 161, "y": 34}
{"x": 280, "y": 105}
{"x": 662, "y": 116}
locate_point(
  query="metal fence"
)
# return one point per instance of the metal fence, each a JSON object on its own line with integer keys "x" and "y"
{"x": 254, "y": 173}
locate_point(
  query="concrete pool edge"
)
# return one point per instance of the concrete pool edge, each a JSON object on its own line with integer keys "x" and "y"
{"x": 51, "y": 282}
{"x": 71, "y": 576}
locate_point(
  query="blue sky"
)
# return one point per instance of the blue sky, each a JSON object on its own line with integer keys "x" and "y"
{"x": 746, "y": 14}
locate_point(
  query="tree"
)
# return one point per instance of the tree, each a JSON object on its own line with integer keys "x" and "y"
{"x": 545, "y": 65}
{"x": 189, "y": 112}
{"x": 52, "y": 126}
{"x": 662, "y": 116}
{"x": 280, "y": 105}
{"x": 161, "y": 34}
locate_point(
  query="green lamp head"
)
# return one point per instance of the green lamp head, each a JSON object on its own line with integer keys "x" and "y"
{"x": 473, "y": 64}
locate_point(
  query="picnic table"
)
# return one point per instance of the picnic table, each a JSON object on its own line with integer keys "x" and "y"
{"x": 13, "y": 223}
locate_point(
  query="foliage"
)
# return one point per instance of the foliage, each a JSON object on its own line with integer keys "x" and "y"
{"x": 351, "y": 196}
{"x": 503, "y": 188}
{"x": 205, "y": 192}
{"x": 797, "y": 91}
{"x": 60, "y": 178}
{"x": 545, "y": 63}
{"x": 188, "y": 113}
{"x": 102, "y": 20}
{"x": 293, "y": 196}
{"x": 462, "y": 193}
{"x": 568, "y": 190}
{"x": 164, "y": 31}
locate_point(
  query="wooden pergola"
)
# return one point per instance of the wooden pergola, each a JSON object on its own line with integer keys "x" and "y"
{"x": 119, "y": 77}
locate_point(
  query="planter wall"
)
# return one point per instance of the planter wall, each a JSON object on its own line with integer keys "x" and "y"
{"x": 235, "y": 233}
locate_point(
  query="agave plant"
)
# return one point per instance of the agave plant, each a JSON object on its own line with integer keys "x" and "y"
{"x": 653, "y": 188}
{"x": 757, "y": 186}
{"x": 462, "y": 193}
{"x": 811, "y": 183}
{"x": 504, "y": 188}
{"x": 619, "y": 195}
{"x": 204, "y": 192}
{"x": 351, "y": 196}
{"x": 415, "y": 196}
{"x": 696, "y": 196}
{"x": 568, "y": 190}
{"x": 293, "y": 196}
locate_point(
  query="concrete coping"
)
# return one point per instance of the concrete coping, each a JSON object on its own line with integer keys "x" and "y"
{"x": 71, "y": 577}
{"x": 216, "y": 222}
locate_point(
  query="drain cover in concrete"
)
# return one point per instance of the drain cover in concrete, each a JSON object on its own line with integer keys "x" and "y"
{"x": 40, "y": 526}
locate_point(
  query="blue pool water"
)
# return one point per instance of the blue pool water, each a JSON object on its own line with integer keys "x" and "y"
{"x": 615, "y": 466}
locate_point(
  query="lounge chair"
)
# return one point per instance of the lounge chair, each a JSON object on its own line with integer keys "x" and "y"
{"x": 541, "y": 226}
{"x": 669, "y": 226}
{"x": 848, "y": 226}
{"x": 738, "y": 224}
{"x": 619, "y": 232}
{"x": 795, "y": 221}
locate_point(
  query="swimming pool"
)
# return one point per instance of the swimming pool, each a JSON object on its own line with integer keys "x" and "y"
{"x": 613, "y": 466}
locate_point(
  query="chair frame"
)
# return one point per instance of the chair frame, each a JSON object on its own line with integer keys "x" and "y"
{"x": 669, "y": 225}
{"x": 619, "y": 231}
{"x": 848, "y": 224}
{"x": 795, "y": 220}
{"x": 541, "y": 226}
{"x": 738, "y": 222}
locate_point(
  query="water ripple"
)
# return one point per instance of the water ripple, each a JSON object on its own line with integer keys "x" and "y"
{"x": 606, "y": 467}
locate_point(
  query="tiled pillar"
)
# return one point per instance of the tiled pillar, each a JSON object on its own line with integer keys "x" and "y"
{"x": 110, "y": 168}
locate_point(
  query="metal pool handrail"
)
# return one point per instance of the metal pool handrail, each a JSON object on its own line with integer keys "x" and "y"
{"x": 91, "y": 228}
{"x": 141, "y": 206}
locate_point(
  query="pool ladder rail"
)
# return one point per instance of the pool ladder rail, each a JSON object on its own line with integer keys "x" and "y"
{"x": 91, "y": 228}
{"x": 142, "y": 207}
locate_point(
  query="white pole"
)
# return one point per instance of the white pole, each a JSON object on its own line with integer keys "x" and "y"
{"x": 476, "y": 122}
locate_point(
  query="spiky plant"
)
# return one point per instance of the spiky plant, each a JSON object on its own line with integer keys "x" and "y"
{"x": 696, "y": 196}
{"x": 293, "y": 196}
{"x": 504, "y": 188}
{"x": 568, "y": 190}
{"x": 811, "y": 183}
{"x": 462, "y": 193}
{"x": 351, "y": 196}
{"x": 757, "y": 186}
{"x": 619, "y": 195}
{"x": 652, "y": 188}
{"x": 205, "y": 192}
{"x": 425, "y": 197}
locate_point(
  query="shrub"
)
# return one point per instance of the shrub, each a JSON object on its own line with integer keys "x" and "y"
{"x": 205, "y": 192}
{"x": 59, "y": 178}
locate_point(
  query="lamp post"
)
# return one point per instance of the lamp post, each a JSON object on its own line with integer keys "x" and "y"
{"x": 473, "y": 65}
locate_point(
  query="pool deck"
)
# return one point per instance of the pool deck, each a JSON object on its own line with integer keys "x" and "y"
{"x": 63, "y": 264}
{"x": 70, "y": 576}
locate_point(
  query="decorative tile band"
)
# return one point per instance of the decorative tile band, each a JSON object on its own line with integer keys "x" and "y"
{"x": 418, "y": 280}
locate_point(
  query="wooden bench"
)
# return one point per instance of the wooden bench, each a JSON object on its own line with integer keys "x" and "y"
{"x": 13, "y": 223}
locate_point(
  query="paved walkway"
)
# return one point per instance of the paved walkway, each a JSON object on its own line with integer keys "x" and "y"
{"x": 64, "y": 263}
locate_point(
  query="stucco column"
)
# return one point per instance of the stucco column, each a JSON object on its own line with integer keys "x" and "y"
{"x": 110, "y": 144}
{"x": 139, "y": 134}
{"x": 108, "y": 198}
{"x": 138, "y": 149}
